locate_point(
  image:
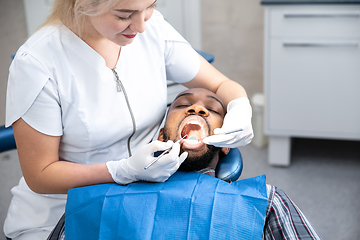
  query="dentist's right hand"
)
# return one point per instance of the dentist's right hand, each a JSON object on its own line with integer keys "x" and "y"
{"x": 132, "y": 169}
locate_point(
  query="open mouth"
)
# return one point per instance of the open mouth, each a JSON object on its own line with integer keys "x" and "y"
{"x": 194, "y": 128}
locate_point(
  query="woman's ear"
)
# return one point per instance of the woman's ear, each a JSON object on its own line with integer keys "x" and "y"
{"x": 225, "y": 150}
{"x": 160, "y": 137}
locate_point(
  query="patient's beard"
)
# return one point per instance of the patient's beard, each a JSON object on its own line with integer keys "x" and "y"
{"x": 193, "y": 164}
{"x": 196, "y": 163}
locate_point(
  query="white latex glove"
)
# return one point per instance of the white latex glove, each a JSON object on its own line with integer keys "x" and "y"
{"x": 238, "y": 116}
{"x": 132, "y": 169}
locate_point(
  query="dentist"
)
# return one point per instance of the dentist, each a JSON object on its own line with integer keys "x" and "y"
{"x": 87, "y": 93}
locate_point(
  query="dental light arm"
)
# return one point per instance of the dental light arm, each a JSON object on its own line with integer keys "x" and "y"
{"x": 238, "y": 116}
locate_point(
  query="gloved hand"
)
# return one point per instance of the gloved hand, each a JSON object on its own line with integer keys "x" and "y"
{"x": 238, "y": 116}
{"x": 132, "y": 169}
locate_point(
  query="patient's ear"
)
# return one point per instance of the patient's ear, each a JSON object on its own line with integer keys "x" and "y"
{"x": 225, "y": 151}
{"x": 160, "y": 137}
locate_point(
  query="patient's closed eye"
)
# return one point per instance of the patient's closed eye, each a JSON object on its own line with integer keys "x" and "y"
{"x": 213, "y": 110}
{"x": 182, "y": 105}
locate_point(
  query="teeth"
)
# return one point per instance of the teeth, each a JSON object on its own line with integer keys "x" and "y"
{"x": 196, "y": 123}
{"x": 192, "y": 138}
{"x": 195, "y": 129}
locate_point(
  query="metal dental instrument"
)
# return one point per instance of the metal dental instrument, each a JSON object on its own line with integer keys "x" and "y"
{"x": 163, "y": 153}
{"x": 234, "y": 131}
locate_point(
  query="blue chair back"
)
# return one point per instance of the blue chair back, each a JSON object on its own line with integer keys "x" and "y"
{"x": 7, "y": 140}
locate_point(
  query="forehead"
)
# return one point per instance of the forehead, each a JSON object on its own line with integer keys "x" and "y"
{"x": 200, "y": 94}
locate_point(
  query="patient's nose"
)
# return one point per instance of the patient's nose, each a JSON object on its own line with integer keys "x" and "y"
{"x": 197, "y": 109}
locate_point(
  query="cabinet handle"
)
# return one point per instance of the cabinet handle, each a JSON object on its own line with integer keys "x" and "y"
{"x": 322, "y": 15}
{"x": 353, "y": 44}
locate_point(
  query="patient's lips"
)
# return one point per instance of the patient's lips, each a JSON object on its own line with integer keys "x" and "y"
{"x": 195, "y": 129}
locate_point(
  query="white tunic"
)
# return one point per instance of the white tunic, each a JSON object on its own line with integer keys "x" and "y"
{"x": 61, "y": 87}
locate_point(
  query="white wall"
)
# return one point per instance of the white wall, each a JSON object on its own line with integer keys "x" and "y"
{"x": 12, "y": 35}
{"x": 36, "y": 12}
{"x": 233, "y": 31}
{"x": 185, "y": 17}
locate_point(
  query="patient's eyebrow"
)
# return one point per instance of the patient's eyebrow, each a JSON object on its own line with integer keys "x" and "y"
{"x": 208, "y": 96}
{"x": 216, "y": 99}
{"x": 184, "y": 94}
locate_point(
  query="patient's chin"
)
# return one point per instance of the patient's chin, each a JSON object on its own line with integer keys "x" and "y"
{"x": 198, "y": 160}
{"x": 194, "y": 153}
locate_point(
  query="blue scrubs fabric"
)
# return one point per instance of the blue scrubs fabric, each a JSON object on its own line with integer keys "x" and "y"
{"x": 187, "y": 206}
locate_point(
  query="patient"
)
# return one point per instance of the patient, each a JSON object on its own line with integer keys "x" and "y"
{"x": 197, "y": 112}
{"x": 194, "y": 115}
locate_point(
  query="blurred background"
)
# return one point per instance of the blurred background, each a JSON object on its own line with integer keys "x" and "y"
{"x": 306, "y": 142}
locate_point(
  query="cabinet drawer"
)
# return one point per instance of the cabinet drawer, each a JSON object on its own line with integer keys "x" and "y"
{"x": 313, "y": 91}
{"x": 314, "y": 21}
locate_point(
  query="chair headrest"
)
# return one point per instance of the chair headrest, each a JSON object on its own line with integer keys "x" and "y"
{"x": 230, "y": 167}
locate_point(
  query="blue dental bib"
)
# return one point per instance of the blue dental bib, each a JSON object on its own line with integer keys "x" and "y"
{"x": 187, "y": 206}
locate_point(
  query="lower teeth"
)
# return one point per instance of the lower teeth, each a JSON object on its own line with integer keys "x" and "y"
{"x": 192, "y": 138}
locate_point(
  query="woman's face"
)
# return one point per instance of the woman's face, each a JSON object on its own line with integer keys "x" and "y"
{"x": 121, "y": 23}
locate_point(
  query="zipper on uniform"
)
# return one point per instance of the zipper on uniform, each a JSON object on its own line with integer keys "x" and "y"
{"x": 118, "y": 83}
{"x": 120, "y": 88}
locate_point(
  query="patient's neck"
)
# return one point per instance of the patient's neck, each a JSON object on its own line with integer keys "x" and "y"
{"x": 214, "y": 162}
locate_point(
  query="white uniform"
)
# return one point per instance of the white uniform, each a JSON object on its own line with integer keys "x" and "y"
{"x": 62, "y": 87}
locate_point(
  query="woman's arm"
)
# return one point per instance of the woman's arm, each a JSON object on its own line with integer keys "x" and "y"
{"x": 210, "y": 78}
{"x": 43, "y": 171}
{"x": 239, "y": 112}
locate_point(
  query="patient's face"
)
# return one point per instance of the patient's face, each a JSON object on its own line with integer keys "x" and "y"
{"x": 194, "y": 114}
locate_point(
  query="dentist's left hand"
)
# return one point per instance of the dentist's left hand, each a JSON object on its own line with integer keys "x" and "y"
{"x": 238, "y": 116}
{"x": 132, "y": 169}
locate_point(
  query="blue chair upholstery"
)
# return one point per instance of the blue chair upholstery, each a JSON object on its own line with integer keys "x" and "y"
{"x": 7, "y": 140}
{"x": 230, "y": 167}
{"x": 209, "y": 57}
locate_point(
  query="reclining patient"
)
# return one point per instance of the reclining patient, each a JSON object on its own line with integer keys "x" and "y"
{"x": 190, "y": 204}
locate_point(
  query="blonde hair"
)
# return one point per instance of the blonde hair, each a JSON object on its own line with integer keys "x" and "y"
{"x": 72, "y": 13}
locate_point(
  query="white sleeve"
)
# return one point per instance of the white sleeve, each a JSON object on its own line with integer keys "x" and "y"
{"x": 182, "y": 62}
{"x": 33, "y": 96}
{"x": 44, "y": 115}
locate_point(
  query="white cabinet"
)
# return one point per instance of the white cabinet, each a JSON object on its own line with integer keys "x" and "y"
{"x": 311, "y": 75}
